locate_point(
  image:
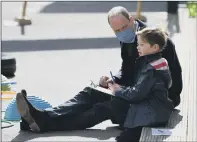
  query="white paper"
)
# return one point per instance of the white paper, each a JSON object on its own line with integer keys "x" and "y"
{"x": 167, "y": 132}
{"x": 101, "y": 89}
{"x": 161, "y": 132}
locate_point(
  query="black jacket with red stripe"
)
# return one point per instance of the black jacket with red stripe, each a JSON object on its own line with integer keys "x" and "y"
{"x": 148, "y": 97}
{"x": 129, "y": 55}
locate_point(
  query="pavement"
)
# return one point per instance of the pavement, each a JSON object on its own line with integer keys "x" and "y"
{"x": 67, "y": 45}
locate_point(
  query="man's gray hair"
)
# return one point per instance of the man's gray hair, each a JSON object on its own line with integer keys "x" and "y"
{"x": 118, "y": 10}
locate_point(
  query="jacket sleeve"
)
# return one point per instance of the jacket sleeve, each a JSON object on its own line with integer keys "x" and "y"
{"x": 141, "y": 90}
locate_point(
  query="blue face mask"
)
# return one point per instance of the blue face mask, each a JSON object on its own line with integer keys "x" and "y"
{"x": 126, "y": 36}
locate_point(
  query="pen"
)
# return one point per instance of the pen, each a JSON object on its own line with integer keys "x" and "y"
{"x": 112, "y": 76}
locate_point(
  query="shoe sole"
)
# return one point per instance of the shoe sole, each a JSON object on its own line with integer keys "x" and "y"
{"x": 24, "y": 111}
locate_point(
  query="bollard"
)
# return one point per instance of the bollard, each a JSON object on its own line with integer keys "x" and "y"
{"x": 22, "y": 22}
{"x": 138, "y": 12}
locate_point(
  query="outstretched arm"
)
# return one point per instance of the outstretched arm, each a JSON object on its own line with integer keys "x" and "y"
{"x": 140, "y": 91}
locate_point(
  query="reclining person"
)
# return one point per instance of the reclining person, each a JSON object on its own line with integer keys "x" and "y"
{"x": 146, "y": 103}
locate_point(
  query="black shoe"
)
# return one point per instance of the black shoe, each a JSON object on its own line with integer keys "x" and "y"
{"x": 31, "y": 115}
{"x": 24, "y": 126}
{"x": 130, "y": 135}
{"x": 24, "y": 92}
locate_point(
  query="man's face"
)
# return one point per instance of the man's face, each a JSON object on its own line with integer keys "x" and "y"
{"x": 144, "y": 48}
{"x": 119, "y": 23}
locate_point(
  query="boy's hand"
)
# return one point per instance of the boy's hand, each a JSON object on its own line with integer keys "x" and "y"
{"x": 114, "y": 87}
{"x": 109, "y": 81}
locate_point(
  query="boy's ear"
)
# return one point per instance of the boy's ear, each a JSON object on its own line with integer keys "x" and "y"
{"x": 156, "y": 47}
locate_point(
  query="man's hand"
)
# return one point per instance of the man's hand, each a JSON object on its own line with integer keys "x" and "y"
{"x": 114, "y": 87}
{"x": 104, "y": 81}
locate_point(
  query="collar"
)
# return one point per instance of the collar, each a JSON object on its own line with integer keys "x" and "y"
{"x": 151, "y": 57}
{"x": 137, "y": 26}
{"x": 141, "y": 25}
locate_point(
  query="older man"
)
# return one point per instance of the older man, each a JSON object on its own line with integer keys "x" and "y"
{"x": 90, "y": 107}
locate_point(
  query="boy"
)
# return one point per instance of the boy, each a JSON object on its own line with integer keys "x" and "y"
{"x": 148, "y": 97}
{"x": 146, "y": 103}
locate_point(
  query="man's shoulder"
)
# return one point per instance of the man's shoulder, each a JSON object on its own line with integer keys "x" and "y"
{"x": 142, "y": 25}
{"x": 170, "y": 46}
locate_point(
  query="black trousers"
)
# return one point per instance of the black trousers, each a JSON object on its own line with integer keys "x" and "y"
{"x": 130, "y": 135}
{"x": 88, "y": 108}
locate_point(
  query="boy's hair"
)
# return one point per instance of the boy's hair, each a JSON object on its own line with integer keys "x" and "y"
{"x": 153, "y": 36}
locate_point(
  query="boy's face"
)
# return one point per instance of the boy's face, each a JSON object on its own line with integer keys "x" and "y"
{"x": 144, "y": 48}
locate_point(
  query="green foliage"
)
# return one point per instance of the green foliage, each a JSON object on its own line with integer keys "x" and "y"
{"x": 192, "y": 7}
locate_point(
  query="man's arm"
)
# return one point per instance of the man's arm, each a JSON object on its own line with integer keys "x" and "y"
{"x": 118, "y": 76}
{"x": 128, "y": 54}
{"x": 175, "y": 68}
{"x": 141, "y": 90}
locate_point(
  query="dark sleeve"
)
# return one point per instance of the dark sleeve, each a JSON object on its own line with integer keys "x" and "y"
{"x": 118, "y": 76}
{"x": 170, "y": 55}
{"x": 128, "y": 54}
{"x": 141, "y": 90}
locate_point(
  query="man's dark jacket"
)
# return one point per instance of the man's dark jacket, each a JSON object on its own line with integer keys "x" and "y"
{"x": 129, "y": 55}
{"x": 148, "y": 97}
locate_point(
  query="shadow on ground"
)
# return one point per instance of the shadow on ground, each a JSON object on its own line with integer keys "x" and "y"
{"x": 177, "y": 118}
{"x": 95, "y": 7}
{"x": 88, "y": 133}
{"x": 58, "y": 44}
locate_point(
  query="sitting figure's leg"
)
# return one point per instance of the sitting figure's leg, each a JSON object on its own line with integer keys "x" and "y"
{"x": 115, "y": 109}
{"x": 49, "y": 119}
{"x": 130, "y": 135}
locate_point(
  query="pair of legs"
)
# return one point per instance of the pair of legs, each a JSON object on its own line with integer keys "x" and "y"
{"x": 173, "y": 21}
{"x": 88, "y": 108}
